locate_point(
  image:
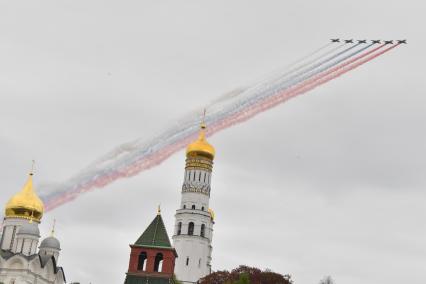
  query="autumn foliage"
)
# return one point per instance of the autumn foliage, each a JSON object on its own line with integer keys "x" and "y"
{"x": 255, "y": 276}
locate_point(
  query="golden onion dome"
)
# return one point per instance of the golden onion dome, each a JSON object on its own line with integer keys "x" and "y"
{"x": 201, "y": 146}
{"x": 25, "y": 204}
{"x": 212, "y": 214}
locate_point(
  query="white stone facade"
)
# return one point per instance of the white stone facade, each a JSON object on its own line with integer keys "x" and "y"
{"x": 194, "y": 226}
{"x": 20, "y": 263}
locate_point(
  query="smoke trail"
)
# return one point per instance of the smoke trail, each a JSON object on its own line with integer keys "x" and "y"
{"x": 135, "y": 150}
{"x": 316, "y": 51}
{"x": 303, "y": 88}
{"x": 153, "y": 153}
{"x": 237, "y": 95}
{"x": 87, "y": 180}
{"x": 138, "y": 148}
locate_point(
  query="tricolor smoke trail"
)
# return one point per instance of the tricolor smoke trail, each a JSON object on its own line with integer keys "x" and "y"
{"x": 131, "y": 158}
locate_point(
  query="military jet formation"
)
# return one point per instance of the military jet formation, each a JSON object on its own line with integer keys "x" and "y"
{"x": 377, "y": 41}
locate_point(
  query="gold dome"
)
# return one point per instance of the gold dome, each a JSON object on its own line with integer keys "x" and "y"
{"x": 212, "y": 214}
{"x": 25, "y": 204}
{"x": 201, "y": 146}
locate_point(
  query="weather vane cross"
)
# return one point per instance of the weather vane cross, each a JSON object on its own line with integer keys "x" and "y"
{"x": 53, "y": 227}
{"x": 32, "y": 167}
{"x": 203, "y": 119}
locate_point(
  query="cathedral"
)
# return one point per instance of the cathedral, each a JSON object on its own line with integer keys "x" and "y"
{"x": 20, "y": 261}
{"x": 152, "y": 258}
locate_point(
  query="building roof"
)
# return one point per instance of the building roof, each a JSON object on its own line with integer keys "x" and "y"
{"x": 51, "y": 242}
{"x": 26, "y": 203}
{"x": 201, "y": 146}
{"x": 136, "y": 279}
{"x": 155, "y": 235}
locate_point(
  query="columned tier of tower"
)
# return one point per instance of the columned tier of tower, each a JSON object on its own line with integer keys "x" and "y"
{"x": 198, "y": 172}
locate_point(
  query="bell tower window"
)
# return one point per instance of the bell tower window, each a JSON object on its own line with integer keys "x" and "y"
{"x": 179, "y": 229}
{"x": 142, "y": 261}
{"x": 190, "y": 228}
{"x": 203, "y": 229}
{"x": 158, "y": 264}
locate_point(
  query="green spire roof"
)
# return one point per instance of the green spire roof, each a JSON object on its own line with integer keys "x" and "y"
{"x": 155, "y": 235}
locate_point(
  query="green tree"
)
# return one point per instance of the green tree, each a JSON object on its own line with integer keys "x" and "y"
{"x": 175, "y": 280}
{"x": 243, "y": 273}
{"x": 244, "y": 279}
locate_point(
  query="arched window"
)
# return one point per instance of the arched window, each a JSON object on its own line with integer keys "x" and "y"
{"x": 199, "y": 263}
{"x": 191, "y": 228}
{"x": 187, "y": 261}
{"x": 158, "y": 264}
{"x": 184, "y": 206}
{"x": 179, "y": 228}
{"x": 202, "y": 208}
{"x": 203, "y": 229}
{"x": 193, "y": 207}
{"x": 142, "y": 261}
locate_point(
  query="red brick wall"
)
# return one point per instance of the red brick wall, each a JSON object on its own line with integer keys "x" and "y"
{"x": 168, "y": 260}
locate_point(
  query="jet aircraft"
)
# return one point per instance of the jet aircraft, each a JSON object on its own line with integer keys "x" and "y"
{"x": 404, "y": 41}
{"x": 362, "y": 41}
{"x": 388, "y": 41}
{"x": 335, "y": 40}
{"x": 349, "y": 41}
{"x": 375, "y": 41}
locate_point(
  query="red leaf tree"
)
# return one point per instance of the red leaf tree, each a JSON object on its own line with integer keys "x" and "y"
{"x": 255, "y": 275}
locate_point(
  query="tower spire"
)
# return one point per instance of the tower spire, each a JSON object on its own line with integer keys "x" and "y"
{"x": 52, "y": 233}
{"x": 203, "y": 120}
{"x": 32, "y": 167}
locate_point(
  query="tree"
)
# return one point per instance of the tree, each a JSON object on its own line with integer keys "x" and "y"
{"x": 246, "y": 275}
{"x": 175, "y": 280}
{"x": 327, "y": 280}
{"x": 244, "y": 279}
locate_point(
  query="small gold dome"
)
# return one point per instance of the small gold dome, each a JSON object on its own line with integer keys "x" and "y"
{"x": 212, "y": 214}
{"x": 200, "y": 146}
{"x": 25, "y": 204}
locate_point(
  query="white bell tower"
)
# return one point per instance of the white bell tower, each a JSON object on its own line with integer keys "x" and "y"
{"x": 193, "y": 234}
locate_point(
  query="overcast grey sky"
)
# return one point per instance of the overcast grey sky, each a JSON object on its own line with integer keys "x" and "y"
{"x": 329, "y": 183}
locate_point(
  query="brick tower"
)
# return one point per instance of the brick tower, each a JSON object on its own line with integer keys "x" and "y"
{"x": 152, "y": 258}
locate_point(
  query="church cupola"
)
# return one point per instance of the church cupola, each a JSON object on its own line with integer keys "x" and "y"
{"x": 19, "y": 237}
{"x": 152, "y": 257}
{"x": 23, "y": 213}
{"x": 25, "y": 204}
{"x": 201, "y": 147}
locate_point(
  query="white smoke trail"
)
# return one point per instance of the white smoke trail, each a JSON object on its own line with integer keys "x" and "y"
{"x": 121, "y": 157}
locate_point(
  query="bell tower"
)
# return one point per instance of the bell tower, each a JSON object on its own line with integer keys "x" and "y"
{"x": 194, "y": 220}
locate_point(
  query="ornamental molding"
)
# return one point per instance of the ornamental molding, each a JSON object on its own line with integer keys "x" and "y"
{"x": 196, "y": 187}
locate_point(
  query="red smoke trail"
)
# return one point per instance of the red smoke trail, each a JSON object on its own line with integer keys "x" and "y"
{"x": 157, "y": 157}
{"x": 298, "y": 90}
